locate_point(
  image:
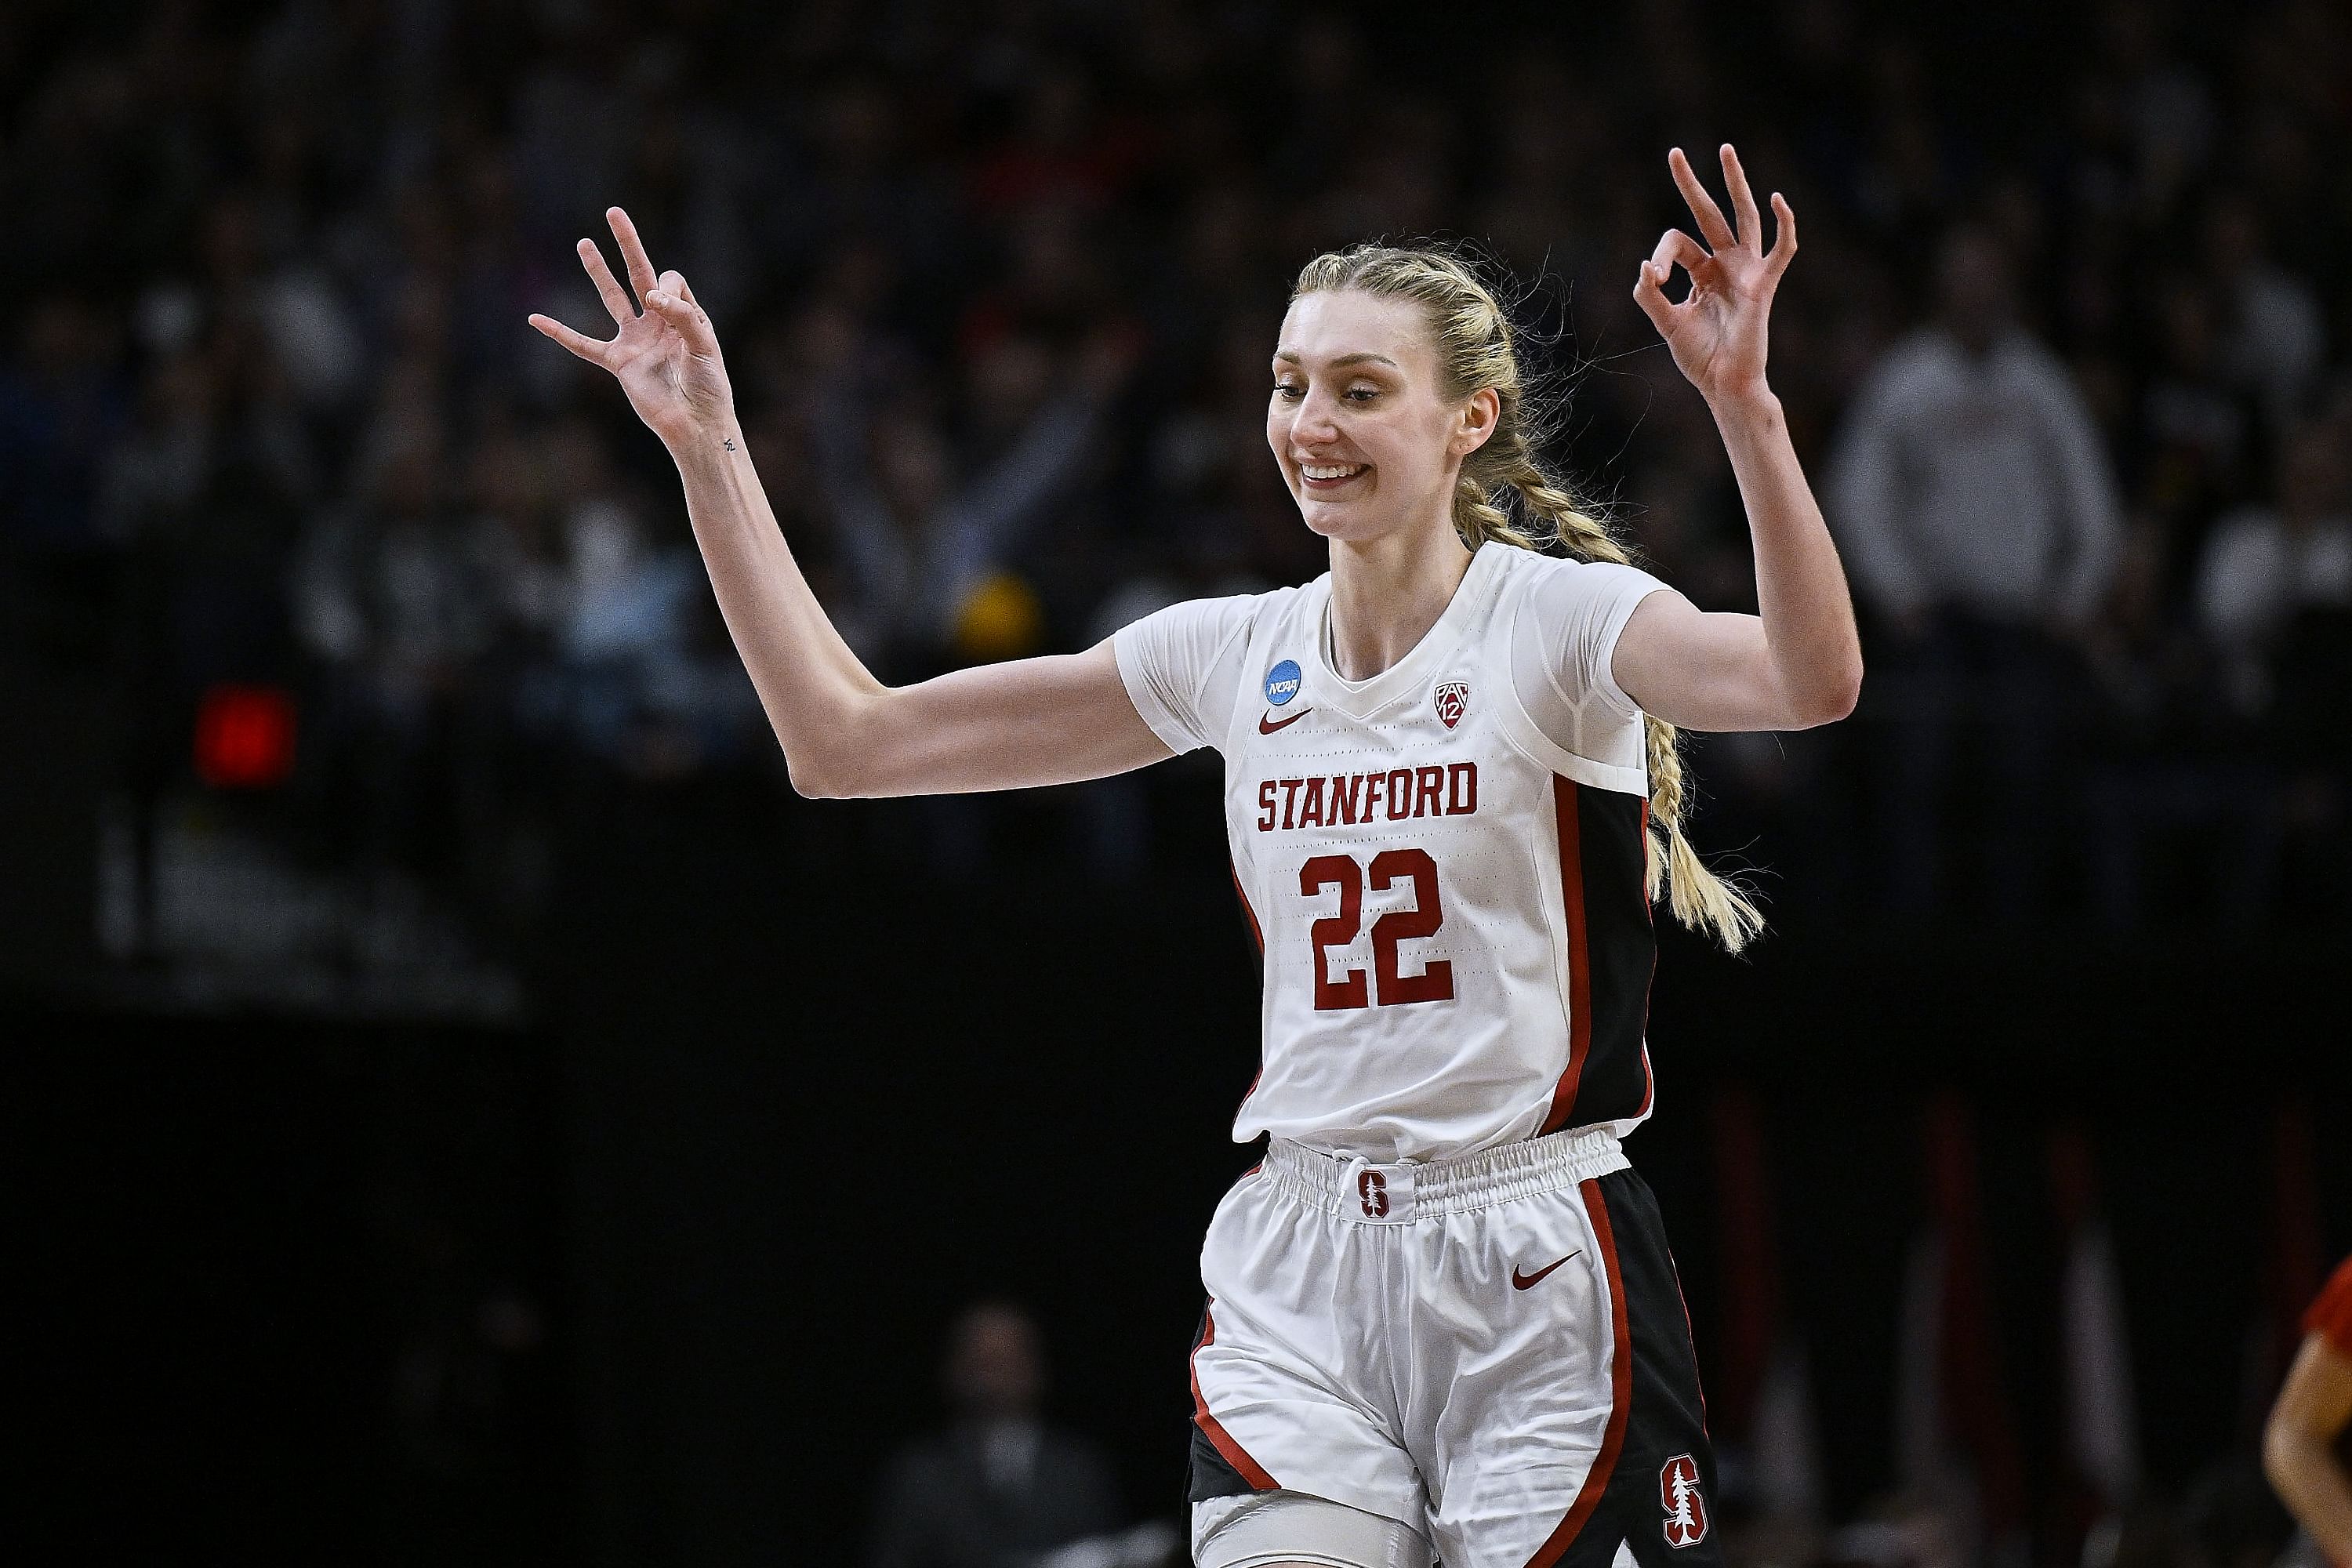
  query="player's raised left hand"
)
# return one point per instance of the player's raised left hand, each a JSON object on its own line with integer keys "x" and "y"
{"x": 666, "y": 357}
{"x": 1717, "y": 331}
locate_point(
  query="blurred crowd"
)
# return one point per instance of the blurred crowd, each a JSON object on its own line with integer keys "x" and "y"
{"x": 2068, "y": 352}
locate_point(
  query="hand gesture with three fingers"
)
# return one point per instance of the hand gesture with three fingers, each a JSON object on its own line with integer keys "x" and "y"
{"x": 667, "y": 359}
{"x": 1718, "y": 332}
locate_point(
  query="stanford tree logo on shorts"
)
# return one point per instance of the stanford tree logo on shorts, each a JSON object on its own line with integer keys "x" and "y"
{"x": 1373, "y": 1188}
{"x": 1685, "y": 1509}
{"x": 1452, "y": 701}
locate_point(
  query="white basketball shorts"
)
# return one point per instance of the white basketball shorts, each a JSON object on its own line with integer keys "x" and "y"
{"x": 1492, "y": 1351}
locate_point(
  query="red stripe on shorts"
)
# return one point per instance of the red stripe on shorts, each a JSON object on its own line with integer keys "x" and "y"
{"x": 1621, "y": 1390}
{"x": 1236, "y": 1456}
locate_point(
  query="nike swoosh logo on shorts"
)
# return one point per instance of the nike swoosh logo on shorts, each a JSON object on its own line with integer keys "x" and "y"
{"x": 1521, "y": 1282}
{"x": 1267, "y": 726}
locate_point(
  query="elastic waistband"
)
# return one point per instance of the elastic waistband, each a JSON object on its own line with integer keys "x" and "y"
{"x": 1356, "y": 1188}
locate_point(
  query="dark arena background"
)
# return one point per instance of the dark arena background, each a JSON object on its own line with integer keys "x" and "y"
{"x": 461, "y": 1106}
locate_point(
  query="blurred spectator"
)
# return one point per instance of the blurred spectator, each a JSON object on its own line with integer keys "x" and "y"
{"x": 2174, "y": 753}
{"x": 2200, "y": 431}
{"x": 2274, "y": 596}
{"x": 61, "y": 403}
{"x": 2274, "y": 331}
{"x": 1980, "y": 518}
{"x": 1000, "y": 1486}
{"x": 2265, "y": 566}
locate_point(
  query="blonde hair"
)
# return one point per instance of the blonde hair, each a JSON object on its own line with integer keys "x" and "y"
{"x": 1472, "y": 333}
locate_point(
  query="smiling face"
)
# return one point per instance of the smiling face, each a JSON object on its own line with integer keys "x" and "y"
{"x": 1368, "y": 441}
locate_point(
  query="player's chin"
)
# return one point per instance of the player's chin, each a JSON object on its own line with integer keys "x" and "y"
{"x": 1338, "y": 517}
{"x": 1327, "y": 520}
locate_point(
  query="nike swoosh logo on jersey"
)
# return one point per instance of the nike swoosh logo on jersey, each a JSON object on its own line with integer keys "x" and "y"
{"x": 1522, "y": 1281}
{"x": 1267, "y": 725}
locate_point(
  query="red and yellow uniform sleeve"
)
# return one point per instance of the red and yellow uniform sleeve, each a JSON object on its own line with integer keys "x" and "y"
{"x": 2331, "y": 1315}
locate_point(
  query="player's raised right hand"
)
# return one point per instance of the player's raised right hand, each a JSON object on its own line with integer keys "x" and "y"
{"x": 666, "y": 357}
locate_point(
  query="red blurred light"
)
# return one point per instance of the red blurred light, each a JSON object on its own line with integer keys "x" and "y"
{"x": 245, "y": 737}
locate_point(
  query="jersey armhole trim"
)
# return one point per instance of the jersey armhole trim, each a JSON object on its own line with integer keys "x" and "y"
{"x": 1540, "y": 748}
{"x": 1519, "y": 728}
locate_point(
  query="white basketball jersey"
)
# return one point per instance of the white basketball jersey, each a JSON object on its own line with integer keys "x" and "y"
{"x": 1447, "y": 892}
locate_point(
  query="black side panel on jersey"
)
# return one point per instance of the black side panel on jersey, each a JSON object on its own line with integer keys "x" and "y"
{"x": 1603, "y": 859}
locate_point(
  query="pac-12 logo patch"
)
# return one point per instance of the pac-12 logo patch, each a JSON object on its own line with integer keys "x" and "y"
{"x": 1685, "y": 1507}
{"x": 1282, "y": 682}
{"x": 1452, "y": 701}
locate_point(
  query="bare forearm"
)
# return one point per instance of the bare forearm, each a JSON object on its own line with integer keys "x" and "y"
{"x": 1800, "y": 587}
{"x": 810, "y": 682}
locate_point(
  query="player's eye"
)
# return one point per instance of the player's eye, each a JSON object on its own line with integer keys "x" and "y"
{"x": 1289, "y": 391}
{"x": 1362, "y": 393}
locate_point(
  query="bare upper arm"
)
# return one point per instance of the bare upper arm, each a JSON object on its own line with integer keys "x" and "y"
{"x": 1014, "y": 725}
{"x": 1708, "y": 670}
{"x": 1697, "y": 671}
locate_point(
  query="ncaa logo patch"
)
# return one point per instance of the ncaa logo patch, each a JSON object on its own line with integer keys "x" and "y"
{"x": 1452, "y": 701}
{"x": 1686, "y": 1508}
{"x": 1282, "y": 682}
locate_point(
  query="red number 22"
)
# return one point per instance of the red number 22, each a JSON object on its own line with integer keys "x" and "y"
{"x": 1422, "y": 918}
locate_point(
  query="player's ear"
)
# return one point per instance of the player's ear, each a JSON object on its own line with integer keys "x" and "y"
{"x": 1474, "y": 424}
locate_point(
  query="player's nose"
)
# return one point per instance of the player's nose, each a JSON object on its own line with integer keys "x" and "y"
{"x": 1316, "y": 424}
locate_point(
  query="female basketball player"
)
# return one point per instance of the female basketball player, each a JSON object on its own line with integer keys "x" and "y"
{"x": 1443, "y": 1319}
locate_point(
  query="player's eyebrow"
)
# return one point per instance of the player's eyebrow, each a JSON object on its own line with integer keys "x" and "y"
{"x": 1290, "y": 356}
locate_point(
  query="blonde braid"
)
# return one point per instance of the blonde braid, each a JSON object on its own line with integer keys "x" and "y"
{"x": 1699, "y": 898}
{"x": 1473, "y": 337}
{"x": 1479, "y": 519}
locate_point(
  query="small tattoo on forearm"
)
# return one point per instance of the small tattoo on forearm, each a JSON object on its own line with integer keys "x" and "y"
{"x": 728, "y": 442}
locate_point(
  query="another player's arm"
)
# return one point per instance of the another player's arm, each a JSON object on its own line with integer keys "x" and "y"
{"x": 1799, "y": 662}
{"x": 1000, "y": 726}
{"x": 2299, "y": 1445}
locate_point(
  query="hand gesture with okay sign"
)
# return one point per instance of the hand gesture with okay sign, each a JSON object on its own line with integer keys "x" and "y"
{"x": 1717, "y": 333}
{"x": 667, "y": 359}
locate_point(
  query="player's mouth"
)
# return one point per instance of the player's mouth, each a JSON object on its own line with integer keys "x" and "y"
{"x": 1322, "y": 478}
